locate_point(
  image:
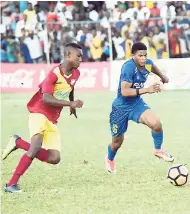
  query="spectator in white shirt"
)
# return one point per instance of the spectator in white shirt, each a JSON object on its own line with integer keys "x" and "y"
{"x": 34, "y": 46}
{"x": 168, "y": 10}
{"x": 143, "y": 12}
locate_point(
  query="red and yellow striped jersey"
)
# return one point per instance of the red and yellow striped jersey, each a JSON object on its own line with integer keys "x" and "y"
{"x": 59, "y": 85}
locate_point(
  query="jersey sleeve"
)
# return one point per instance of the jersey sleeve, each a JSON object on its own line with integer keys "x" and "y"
{"x": 149, "y": 65}
{"x": 127, "y": 73}
{"x": 48, "y": 84}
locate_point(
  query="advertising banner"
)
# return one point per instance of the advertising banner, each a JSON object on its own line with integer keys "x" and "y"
{"x": 26, "y": 77}
{"x": 178, "y": 71}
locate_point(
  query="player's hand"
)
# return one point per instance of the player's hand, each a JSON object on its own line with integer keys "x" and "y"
{"x": 76, "y": 104}
{"x": 165, "y": 79}
{"x": 73, "y": 111}
{"x": 154, "y": 89}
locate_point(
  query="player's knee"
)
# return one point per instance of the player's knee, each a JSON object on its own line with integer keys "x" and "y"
{"x": 117, "y": 141}
{"x": 32, "y": 152}
{"x": 35, "y": 145}
{"x": 156, "y": 126}
{"x": 54, "y": 160}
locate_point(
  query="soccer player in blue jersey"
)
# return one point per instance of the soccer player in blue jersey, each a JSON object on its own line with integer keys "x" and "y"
{"x": 129, "y": 104}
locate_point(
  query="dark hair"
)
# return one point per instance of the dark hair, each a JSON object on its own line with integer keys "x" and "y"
{"x": 139, "y": 46}
{"x": 73, "y": 45}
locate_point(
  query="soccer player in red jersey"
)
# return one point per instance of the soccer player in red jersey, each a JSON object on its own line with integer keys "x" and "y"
{"x": 55, "y": 92}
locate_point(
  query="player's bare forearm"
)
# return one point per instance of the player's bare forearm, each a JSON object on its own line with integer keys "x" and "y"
{"x": 49, "y": 99}
{"x": 127, "y": 91}
{"x": 132, "y": 92}
{"x": 156, "y": 71}
{"x": 163, "y": 77}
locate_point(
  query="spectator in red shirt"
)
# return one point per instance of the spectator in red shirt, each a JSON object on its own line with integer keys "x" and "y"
{"x": 174, "y": 44}
{"x": 155, "y": 11}
{"x": 51, "y": 18}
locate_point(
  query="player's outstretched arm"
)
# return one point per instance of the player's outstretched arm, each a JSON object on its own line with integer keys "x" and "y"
{"x": 127, "y": 91}
{"x": 163, "y": 77}
{"x": 50, "y": 100}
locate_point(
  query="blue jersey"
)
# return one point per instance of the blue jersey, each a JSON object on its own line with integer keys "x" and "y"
{"x": 130, "y": 73}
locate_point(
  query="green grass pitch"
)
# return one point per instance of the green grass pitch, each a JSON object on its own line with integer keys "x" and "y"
{"x": 79, "y": 184}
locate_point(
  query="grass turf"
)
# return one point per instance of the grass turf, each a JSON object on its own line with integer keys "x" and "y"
{"x": 79, "y": 184}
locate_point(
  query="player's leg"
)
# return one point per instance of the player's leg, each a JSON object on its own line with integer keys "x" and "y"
{"x": 38, "y": 128}
{"x": 24, "y": 163}
{"x": 11, "y": 146}
{"x": 51, "y": 156}
{"x": 149, "y": 118}
{"x": 118, "y": 125}
{"x": 112, "y": 151}
{"x": 52, "y": 143}
{"x": 38, "y": 123}
{"x": 114, "y": 146}
{"x": 15, "y": 142}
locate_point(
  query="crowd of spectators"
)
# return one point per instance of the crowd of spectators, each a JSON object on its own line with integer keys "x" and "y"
{"x": 36, "y": 31}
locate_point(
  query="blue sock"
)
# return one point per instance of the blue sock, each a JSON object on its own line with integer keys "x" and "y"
{"x": 111, "y": 154}
{"x": 158, "y": 139}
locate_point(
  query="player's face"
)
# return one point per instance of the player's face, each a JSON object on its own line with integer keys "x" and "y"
{"x": 76, "y": 57}
{"x": 140, "y": 57}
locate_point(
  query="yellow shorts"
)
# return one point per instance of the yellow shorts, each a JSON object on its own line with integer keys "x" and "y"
{"x": 38, "y": 123}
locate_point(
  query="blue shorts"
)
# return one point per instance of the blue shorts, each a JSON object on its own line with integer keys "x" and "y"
{"x": 120, "y": 116}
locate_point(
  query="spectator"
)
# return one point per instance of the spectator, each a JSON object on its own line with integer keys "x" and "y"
{"x": 168, "y": 10}
{"x": 40, "y": 13}
{"x": 15, "y": 17}
{"x": 45, "y": 44}
{"x": 142, "y": 12}
{"x": 106, "y": 51}
{"x": 3, "y": 56}
{"x": 51, "y": 18}
{"x": 12, "y": 48}
{"x": 35, "y": 49}
{"x": 187, "y": 36}
{"x": 22, "y": 27}
{"x": 84, "y": 41}
{"x": 131, "y": 10}
{"x": 155, "y": 11}
{"x": 93, "y": 14}
{"x": 30, "y": 14}
{"x": 183, "y": 44}
{"x": 22, "y": 6}
{"x": 147, "y": 39}
{"x": 159, "y": 40}
{"x": 127, "y": 28}
{"x": 120, "y": 12}
{"x": 69, "y": 5}
{"x": 134, "y": 21}
{"x": 174, "y": 44}
{"x": 118, "y": 42}
{"x": 55, "y": 50}
{"x": 25, "y": 51}
{"x": 180, "y": 8}
{"x": 127, "y": 46}
{"x": 96, "y": 47}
